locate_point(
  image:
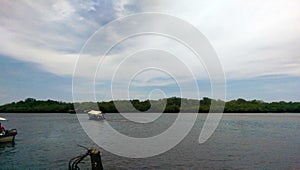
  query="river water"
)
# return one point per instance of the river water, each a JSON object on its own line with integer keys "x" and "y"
{"x": 241, "y": 141}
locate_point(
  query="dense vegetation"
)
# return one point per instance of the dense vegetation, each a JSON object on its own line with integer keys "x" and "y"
{"x": 31, "y": 105}
{"x": 170, "y": 105}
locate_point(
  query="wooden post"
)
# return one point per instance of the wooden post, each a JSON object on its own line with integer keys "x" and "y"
{"x": 96, "y": 159}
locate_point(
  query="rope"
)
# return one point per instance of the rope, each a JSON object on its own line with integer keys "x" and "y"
{"x": 76, "y": 160}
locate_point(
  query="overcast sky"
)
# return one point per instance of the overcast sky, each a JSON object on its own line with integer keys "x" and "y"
{"x": 257, "y": 43}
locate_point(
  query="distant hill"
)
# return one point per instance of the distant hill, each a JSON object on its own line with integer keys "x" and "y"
{"x": 31, "y": 105}
{"x": 168, "y": 105}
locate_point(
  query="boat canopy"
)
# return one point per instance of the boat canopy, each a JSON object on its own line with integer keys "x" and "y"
{"x": 94, "y": 112}
{"x": 2, "y": 118}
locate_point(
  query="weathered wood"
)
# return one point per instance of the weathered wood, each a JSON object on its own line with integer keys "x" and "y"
{"x": 96, "y": 159}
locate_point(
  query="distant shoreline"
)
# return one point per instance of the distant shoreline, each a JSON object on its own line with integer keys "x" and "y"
{"x": 224, "y": 113}
{"x": 172, "y": 105}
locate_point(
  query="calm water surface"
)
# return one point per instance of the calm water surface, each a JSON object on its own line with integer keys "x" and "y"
{"x": 241, "y": 141}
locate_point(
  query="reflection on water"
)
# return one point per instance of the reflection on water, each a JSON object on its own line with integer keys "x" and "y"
{"x": 49, "y": 141}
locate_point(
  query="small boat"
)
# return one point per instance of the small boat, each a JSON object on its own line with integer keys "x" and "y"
{"x": 96, "y": 115}
{"x": 9, "y": 136}
{"x": 2, "y": 118}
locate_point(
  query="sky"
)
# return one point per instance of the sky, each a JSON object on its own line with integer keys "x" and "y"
{"x": 41, "y": 42}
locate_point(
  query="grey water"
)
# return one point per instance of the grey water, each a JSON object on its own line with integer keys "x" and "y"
{"x": 241, "y": 141}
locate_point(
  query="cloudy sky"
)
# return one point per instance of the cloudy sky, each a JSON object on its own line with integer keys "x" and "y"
{"x": 257, "y": 43}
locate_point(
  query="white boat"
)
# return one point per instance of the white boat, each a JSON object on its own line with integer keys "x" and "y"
{"x": 2, "y": 118}
{"x": 96, "y": 115}
{"x": 9, "y": 136}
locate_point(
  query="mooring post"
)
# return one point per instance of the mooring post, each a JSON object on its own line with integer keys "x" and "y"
{"x": 96, "y": 159}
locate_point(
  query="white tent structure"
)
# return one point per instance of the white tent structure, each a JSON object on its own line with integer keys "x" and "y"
{"x": 94, "y": 112}
{"x": 2, "y": 119}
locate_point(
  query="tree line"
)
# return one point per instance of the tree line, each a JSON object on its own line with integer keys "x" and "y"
{"x": 168, "y": 105}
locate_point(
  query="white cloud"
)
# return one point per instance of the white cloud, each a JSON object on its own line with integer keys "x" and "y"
{"x": 61, "y": 10}
{"x": 47, "y": 33}
{"x": 252, "y": 38}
